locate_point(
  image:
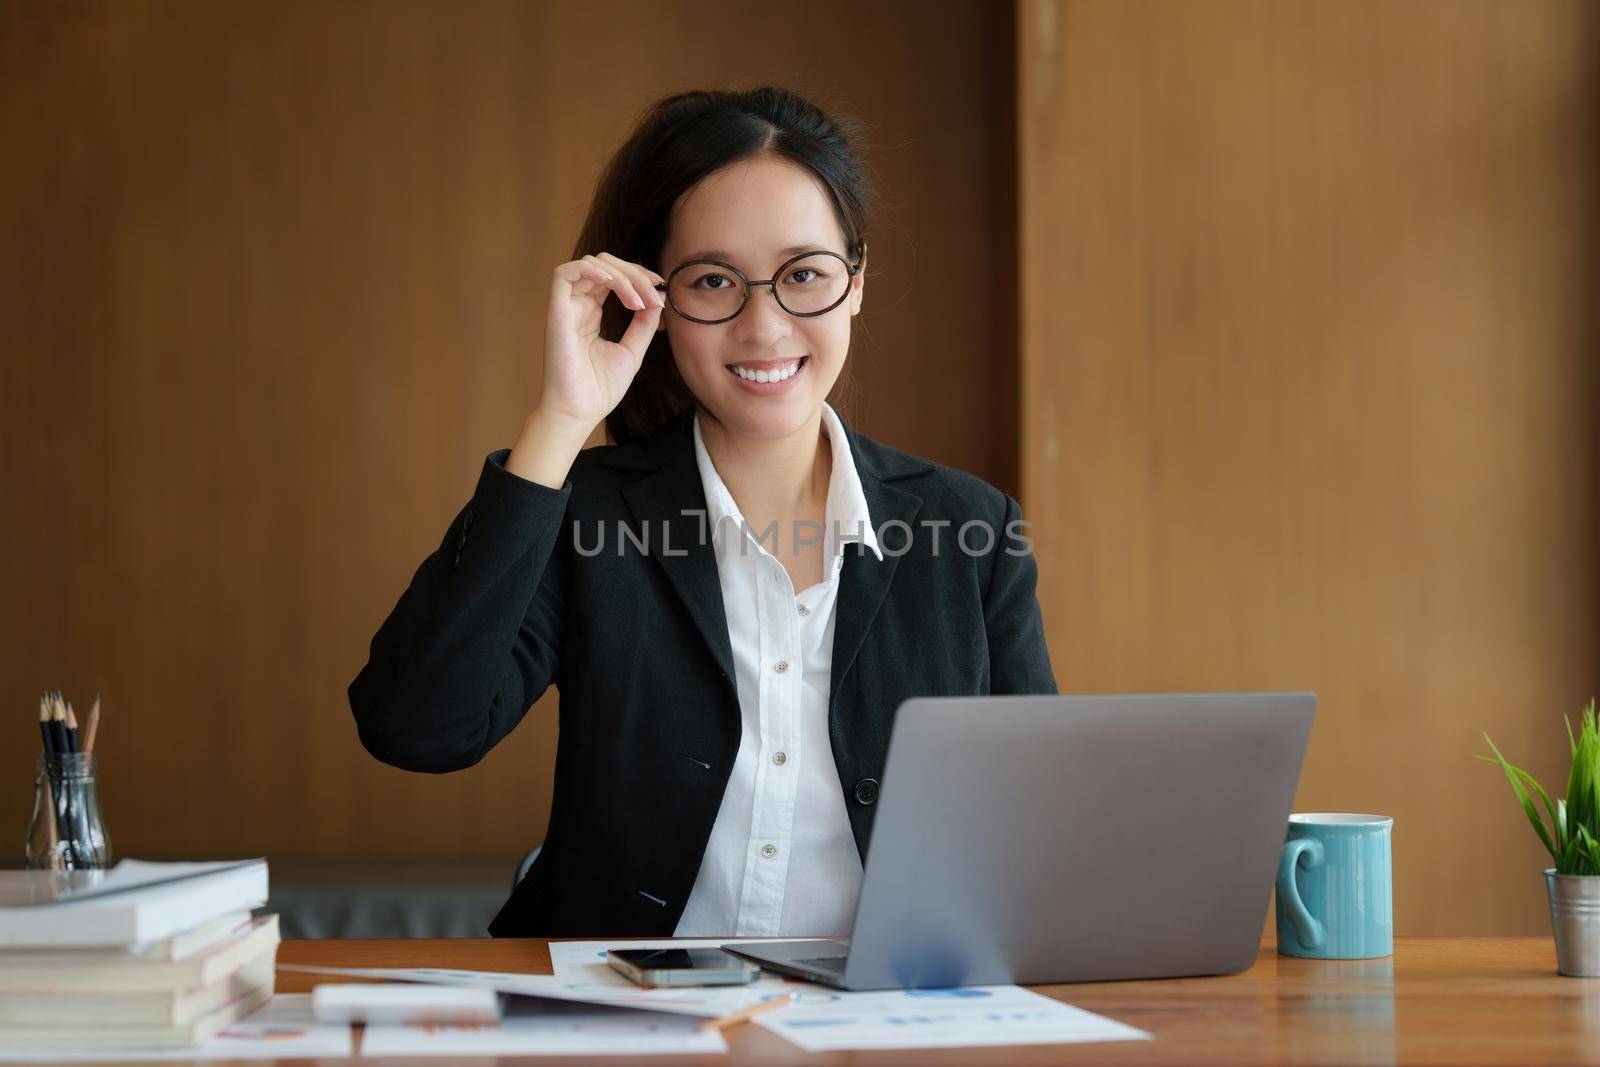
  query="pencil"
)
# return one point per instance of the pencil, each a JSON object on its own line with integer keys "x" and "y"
{"x": 58, "y": 724}
{"x": 91, "y": 725}
{"x": 52, "y": 837}
{"x": 80, "y": 827}
{"x": 722, "y": 1022}
{"x": 51, "y": 781}
{"x": 44, "y": 727}
{"x": 72, "y": 731}
{"x": 68, "y": 821}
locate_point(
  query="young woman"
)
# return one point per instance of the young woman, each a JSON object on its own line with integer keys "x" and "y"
{"x": 735, "y": 596}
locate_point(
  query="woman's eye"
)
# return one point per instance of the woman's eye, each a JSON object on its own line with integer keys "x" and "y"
{"x": 795, "y": 276}
{"x": 705, "y": 278}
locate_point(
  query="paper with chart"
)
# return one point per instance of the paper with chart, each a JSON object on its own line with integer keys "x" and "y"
{"x": 541, "y": 1028}
{"x": 283, "y": 1028}
{"x": 824, "y": 1018}
{"x": 827, "y": 1020}
{"x": 820, "y": 1019}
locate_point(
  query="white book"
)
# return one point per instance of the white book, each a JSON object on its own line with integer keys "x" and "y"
{"x": 163, "y": 1007}
{"x": 111, "y": 976}
{"x": 136, "y": 1037}
{"x": 179, "y": 946}
{"x": 134, "y": 902}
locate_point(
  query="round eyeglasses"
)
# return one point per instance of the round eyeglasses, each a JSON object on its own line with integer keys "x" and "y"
{"x": 709, "y": 291}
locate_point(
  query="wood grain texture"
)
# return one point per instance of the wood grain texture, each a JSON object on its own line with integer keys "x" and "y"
{"x": 1436, "y": 1001}
{"x": 1310, "y": 392}
{"x": 273, "y": 283}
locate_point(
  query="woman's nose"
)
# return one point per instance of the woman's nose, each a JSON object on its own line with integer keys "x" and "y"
{"x": 763, "y": 320}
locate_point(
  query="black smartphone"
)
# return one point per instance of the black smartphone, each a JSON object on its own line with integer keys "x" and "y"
{"x": 682, "y": 966}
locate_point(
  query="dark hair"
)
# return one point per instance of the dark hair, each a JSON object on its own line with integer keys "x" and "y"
{"x": 678, "y": 141}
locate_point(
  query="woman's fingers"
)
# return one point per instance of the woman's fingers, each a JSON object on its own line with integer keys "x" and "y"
{"x": 619, "y": 282}
{"x": 636, "y": 338}
{"x": 611, "y": 279}
{"x": 593, "y": 277}
{"x": 581, "y": 276}
{"x": 633, "y": 284}
{"x": 653, "y": 279}
{"x": 640, "y": 280}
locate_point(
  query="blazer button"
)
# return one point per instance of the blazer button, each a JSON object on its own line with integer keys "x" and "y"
{"x": 867, "y": 791}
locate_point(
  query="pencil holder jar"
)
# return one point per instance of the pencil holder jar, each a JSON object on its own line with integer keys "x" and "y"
{"x": 68, "y": 829}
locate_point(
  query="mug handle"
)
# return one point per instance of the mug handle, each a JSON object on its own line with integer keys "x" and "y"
{"x": 1306, "y": 927}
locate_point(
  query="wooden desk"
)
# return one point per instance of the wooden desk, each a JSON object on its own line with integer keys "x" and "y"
{"x": 1439, "y": 1000}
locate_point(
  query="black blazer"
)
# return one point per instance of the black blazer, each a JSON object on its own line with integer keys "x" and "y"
{"x": 637, "y": 643}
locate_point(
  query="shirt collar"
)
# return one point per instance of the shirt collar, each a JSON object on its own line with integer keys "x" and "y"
{"x": 846, "y": 504}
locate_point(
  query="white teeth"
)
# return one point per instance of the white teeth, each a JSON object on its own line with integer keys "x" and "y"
{"x": 783, "y": 373}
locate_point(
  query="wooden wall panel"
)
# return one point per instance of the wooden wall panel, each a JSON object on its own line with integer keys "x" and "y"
{"x": 273, "y": 281}
{"x": 1309, "y": 390}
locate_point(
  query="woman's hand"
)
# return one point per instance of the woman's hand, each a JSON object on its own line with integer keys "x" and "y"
{"x": 585, "y": 376}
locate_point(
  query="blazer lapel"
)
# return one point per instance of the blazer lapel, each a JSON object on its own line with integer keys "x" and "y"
{"x": 864, "y": 579}
{"x": 657, "y": 502}
{"x": 672, "y": 486}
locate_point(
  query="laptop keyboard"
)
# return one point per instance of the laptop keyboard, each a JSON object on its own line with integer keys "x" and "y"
{"x": 830, "y": 964}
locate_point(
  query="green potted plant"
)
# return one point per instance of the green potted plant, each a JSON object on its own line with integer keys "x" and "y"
{"x": 1572, "y": 837}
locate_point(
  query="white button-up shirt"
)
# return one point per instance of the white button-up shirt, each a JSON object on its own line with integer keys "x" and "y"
{"x": 782, "y": 859}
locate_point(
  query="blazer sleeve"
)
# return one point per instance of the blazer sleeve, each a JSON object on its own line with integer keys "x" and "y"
{"x": 1019, "y": 660}
{"x": 475, "y": 639}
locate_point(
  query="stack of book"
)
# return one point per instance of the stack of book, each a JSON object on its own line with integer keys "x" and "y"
{"x": 146, "y": 955}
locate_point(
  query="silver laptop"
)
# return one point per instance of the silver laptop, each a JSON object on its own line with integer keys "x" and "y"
{"x": 1039, "y": 839}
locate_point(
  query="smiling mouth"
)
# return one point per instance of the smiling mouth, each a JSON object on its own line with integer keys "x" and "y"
{"x": 774, "y": 372}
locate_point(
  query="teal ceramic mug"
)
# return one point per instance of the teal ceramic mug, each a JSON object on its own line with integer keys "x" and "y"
{"x": 1335, "y": 887}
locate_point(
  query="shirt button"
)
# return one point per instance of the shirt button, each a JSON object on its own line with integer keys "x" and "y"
{"x": 769, "y": 851}
{"x": 804, "y": 610}
{"x": 781, "y": 666}
{"x": 779, "y": 758}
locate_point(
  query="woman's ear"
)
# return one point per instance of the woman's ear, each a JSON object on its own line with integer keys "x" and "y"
{"x": 858, "y": 284}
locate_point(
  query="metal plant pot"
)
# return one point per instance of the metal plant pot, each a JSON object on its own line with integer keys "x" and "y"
{"x": 1575, "y": 917}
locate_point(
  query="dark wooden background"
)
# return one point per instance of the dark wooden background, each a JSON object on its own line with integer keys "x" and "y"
{"x": 1287, "y": 342}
